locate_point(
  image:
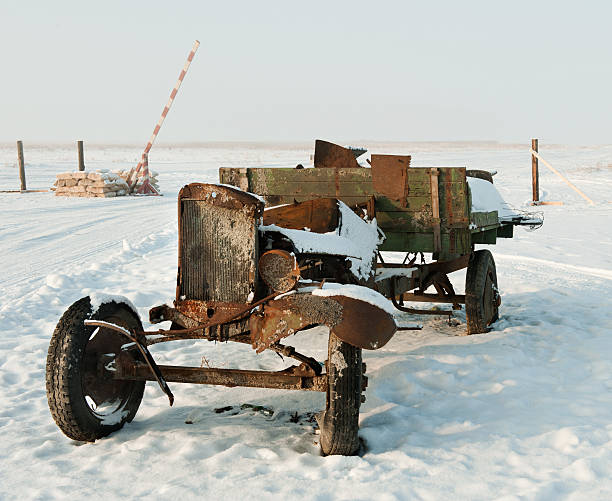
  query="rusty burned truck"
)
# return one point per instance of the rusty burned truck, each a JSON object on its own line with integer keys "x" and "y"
{"x": 270, "y": 252}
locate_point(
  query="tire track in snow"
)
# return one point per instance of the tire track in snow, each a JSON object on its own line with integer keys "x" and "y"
{"x": 56, "y": 241}
{"x": 596, "y": 272}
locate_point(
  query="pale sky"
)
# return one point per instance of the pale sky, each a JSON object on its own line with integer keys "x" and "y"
{"x": 296, "y": 71}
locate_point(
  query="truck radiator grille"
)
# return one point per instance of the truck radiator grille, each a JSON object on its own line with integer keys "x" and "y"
{"x": 218, "y": 249}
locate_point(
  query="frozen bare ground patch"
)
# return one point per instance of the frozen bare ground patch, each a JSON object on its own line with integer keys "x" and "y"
{"x": 520, "y": 413}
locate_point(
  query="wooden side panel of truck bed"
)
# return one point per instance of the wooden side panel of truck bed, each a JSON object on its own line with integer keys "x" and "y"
{"x": 409, "y": 225}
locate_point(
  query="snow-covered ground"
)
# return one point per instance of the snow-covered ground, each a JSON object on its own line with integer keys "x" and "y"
{"x": 524, "y": 412}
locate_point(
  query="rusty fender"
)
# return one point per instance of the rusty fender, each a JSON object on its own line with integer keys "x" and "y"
{"x": 354, "y": 321}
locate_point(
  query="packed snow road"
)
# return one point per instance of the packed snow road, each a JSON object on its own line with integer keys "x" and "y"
{"x": 520, "y": 413}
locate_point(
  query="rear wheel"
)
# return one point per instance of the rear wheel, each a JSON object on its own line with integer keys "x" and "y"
{"x": 339, "y": 423}
{"x": 85, "y": 401}
{"x": 482, "y": 298}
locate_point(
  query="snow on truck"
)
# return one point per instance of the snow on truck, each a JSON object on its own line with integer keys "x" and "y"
{"x": 270, "y": 252}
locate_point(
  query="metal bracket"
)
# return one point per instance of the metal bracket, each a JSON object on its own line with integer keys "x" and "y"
{"x": 143, "y": 350}
{"x": 399, "y": 305}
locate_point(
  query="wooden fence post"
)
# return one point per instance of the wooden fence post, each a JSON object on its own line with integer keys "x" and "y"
{"x": 535, "y": 177}
{"x": 81, "y": 161}
{"x": 22, "y": 177}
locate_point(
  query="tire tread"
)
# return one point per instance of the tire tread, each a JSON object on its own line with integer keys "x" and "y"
{"x": 340, "y": 423}
{"x": 475, "y": 281}
{"x": 60, "y": 380}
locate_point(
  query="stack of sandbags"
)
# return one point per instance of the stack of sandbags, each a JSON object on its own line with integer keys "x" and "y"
{"x": 101, "y": 183}
{"x": 152, "y": 178}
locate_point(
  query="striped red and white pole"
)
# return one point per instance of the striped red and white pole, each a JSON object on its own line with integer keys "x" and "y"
{"x": 146, "y": 188}
{"x": 135, "y": 171}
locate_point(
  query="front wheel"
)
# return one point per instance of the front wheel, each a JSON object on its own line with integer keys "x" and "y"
{"x": 84, "y": 399}
{"x": 482, "y": 298}
{"x": 339, "y": 423}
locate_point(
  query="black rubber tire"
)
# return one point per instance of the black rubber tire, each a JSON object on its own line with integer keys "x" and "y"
{"x": 339, "y": 423}
{"x": 481, "y": 293}
{"x": 72, "y": 374}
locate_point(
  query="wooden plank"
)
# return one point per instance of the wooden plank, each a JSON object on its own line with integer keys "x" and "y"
{"x": 448, "y": 174}
{"x": 407, "y": 242}
{"x": 22, "y": 176}
{"x": 316, "y": 182}
{"x": 435, "y": 209}
{"x": 274, "y": 181}
{"x": 315, "y": 190}
{"x": 459, "y": 243}
{"x": 272, "y": 200}
{"x": 269, "y": 180}
{"x": 454, "y": 204}
{"x": 81, "y": 157}
{"x": 413, "y": 204}
{"x": 453, "y": 174}
{"x": 454, "y": 242}
{"x": 285, "y": 175}
{"x": 413, "y": 175}
{"x": 419, "y": 189}
{"x": 481, "y": 219}
{"x": 535, "y": 177}
{"x": 354, "y": 186}
{"x": 413, "y": 222}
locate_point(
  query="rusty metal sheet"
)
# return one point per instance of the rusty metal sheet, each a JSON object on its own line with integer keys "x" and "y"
{"x": 165, "y": 313}
{"x": 356, "y": 322}
{"x": 209, "y": 311}
{"x": 319, "y": 215}
{"x": 288, "y": 315}
{"x": 330, "y": 155}
{"x": 390, "y": 177}
{"x": 225, "y": 196}
{"x": 363, "y": 324}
